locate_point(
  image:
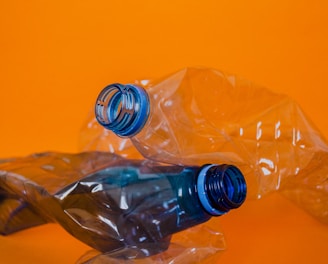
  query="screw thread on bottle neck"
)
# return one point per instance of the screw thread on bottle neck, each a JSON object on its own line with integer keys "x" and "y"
{"x": 221, "y": 188}
{"x": 124, "y": 109}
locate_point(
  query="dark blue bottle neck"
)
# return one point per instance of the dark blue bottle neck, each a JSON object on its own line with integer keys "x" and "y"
{"x": 124, "y": 109}
{"x": 211, "y": 190}
{"x": 221, "y": 188}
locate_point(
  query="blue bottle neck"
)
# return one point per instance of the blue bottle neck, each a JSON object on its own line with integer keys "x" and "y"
{"x": 221, "y": 188}
{"x": 124, "y": 109}
{"x": 211, "y": 190}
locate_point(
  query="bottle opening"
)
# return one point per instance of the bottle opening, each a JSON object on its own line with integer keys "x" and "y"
{"x": 124, "y": 109}
{"x": 233, "y": 186}
{"x": 221, "y": 188}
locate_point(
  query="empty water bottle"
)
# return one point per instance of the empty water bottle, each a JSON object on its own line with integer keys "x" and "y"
{"x": 127, "y": 208}
{"x": 199, "y": 114}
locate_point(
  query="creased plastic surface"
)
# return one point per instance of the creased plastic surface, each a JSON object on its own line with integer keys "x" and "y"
{"x": 200, "y": 114}
{"x": 69, "y": 190}
{"x": 200, "y": 244}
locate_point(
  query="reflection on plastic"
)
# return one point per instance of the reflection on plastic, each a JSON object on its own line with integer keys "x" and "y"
{"x": 186, "y": 247}
{"x": 199, "y": 114}
{"x": 124, "y": 208}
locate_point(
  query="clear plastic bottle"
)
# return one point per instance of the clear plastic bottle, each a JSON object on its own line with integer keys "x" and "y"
{"x": 128, "y": 209}
{"x": 200, "y": 114}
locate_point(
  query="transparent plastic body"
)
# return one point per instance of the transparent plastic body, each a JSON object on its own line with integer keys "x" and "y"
{"x": 125, "y": 208}
{"x": 199, "y": 114}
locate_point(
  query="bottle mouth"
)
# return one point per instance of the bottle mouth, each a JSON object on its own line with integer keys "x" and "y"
{"x": 124, "y": 109}
{"x": 221, "y": 188}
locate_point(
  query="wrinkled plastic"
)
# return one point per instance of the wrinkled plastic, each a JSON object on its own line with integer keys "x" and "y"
{"x": 99, "y": 206}
{"x": 199, "y": 244}
{"x": 199, "y": 114}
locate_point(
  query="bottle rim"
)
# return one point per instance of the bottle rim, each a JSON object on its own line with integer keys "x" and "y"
{"x": 124, "y": 109}
{"x": 229, "y": 192}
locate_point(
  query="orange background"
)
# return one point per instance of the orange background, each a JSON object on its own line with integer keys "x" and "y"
{"x": 55, "y": 57}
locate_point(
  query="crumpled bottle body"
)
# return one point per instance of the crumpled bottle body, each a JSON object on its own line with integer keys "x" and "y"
{"x": 125, "y": 209}
{"x": 28, "y": 184}
{"x": 199, "y": 114}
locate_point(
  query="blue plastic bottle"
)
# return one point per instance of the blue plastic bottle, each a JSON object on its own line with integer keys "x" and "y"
{"x": 122, "y": 207}
{"x": 132, "y": 209}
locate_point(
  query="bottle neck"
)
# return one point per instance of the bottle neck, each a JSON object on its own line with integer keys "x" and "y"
{"x": 124, "y": 109}
{"x": 221, "y": 188}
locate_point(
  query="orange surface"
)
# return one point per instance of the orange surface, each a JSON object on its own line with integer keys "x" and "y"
{"x": 57, "y": 55}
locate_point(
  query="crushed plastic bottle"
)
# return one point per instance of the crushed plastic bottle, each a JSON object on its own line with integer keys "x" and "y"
{"x": 199, "y": 114}
{"x": 124, "y": 208}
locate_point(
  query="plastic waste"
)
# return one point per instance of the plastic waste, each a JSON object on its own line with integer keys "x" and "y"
{"x": 122, "y": 207}
{"x": 198, "y": 114}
